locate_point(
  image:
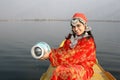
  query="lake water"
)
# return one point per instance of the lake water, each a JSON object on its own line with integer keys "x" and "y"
{"x": 17, "y": 38}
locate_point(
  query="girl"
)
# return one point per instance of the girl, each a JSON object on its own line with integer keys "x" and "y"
{"x": 74, "y": 60}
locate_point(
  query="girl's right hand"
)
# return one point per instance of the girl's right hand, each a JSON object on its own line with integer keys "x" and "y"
{"x": 46, "y": 56}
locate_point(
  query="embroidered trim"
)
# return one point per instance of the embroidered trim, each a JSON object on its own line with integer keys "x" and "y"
{"x": 74, "y": 40}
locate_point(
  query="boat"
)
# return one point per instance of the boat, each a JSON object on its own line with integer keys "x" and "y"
{"x": 99, "y": 72}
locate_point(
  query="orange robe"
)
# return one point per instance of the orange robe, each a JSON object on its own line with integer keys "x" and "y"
{"x": 74, "y": 63}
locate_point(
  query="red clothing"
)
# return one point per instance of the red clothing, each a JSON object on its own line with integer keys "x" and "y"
{"x": 74, "y": 63}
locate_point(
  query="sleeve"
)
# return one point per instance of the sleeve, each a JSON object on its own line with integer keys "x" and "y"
{"x": 83, "y": 54}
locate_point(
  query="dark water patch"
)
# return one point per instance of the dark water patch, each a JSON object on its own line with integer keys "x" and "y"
{"x": 116, "y": 74}
{"x": 21, "y": 75}
{"x": 22, "y": 69}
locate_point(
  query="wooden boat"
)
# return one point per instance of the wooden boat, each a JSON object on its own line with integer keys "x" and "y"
{"x": 99, "y": 72}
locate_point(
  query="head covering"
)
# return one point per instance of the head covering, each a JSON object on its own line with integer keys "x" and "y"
{"x": 80, "y": 16}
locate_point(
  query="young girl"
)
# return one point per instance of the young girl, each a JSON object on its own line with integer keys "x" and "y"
{"x": 74, "y": 60}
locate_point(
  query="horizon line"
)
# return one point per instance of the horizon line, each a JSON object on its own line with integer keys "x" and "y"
{"x": 37, "y": 20}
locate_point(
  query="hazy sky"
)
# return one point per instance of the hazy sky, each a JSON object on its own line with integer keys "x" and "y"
{"x": 27, "y": 9}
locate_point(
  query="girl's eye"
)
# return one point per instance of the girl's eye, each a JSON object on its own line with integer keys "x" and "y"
{"x": 78, "y": 25}
{"x": 73, "y": 26}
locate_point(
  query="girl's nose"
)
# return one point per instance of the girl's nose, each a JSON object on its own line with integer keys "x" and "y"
{"x": 76, "y": 27}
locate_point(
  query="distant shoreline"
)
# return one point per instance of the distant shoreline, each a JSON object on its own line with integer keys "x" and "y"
{"x": 39, "y": 20}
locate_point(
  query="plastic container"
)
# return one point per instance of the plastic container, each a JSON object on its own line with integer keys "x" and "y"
{"x": 39, "y": 50}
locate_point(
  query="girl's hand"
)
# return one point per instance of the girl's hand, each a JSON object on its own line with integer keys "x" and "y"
{"x": 46, "y": 56}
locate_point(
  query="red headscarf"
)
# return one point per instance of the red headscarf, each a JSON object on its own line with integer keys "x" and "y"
{"x": 80, "y": 16}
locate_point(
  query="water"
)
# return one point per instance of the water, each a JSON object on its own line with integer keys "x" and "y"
{"x": 17, "y": 38}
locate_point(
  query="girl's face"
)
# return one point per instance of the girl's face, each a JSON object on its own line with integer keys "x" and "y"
{"x": 78, "y": 28}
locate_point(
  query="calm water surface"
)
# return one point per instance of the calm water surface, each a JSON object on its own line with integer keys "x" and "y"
{"x": 17, "y": 38}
